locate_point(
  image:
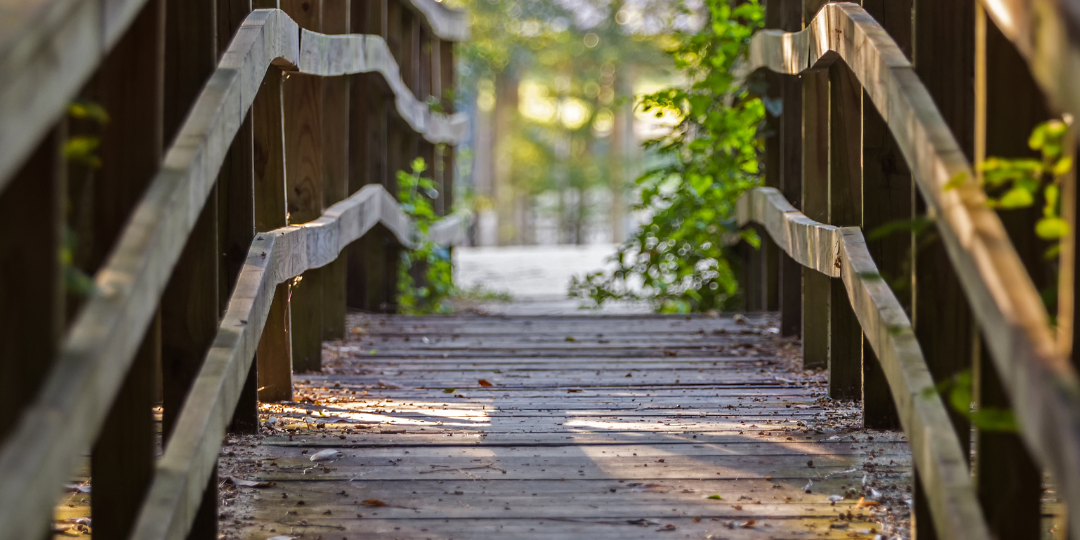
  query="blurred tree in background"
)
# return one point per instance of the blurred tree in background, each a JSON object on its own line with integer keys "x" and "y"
{"x": 551, "y": 86}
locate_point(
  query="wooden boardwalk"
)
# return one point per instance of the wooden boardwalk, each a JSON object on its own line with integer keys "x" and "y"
{"x": 593, "y": 427}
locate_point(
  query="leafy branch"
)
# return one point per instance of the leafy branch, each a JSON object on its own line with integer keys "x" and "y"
{"x": 425, "y": 280}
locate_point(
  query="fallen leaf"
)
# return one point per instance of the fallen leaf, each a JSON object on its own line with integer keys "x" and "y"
{"x": 863, "y": 502}
{"x": 570, "y": 338}
{"x": 325, "y": 455}
{"x": 449, "y": 391}
{"x": 374, "y": 502}
{"x": 573, "y": 390}
{"x": 240, "y": 482}
{"x": 485, "y": 383}
{"x": 747, "y": 524}
{"x": 715, "y": 497}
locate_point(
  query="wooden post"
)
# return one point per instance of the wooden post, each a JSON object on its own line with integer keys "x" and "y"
{"x": 445, "y": 62}
{"x": 31, "y": 275}
{"x": 845, "y": 209}
{"x": 303, "y": 96}
{"x": 129, "y": 85}
{"x": 815, "y": 203}
{"x": 1008, "y": 105}
{"x": 275, "y": 348}
{"x": 790, "y": 271}
{"x": 888, "y": 197}
{"x": 770, "y": 252}
{"x": 236, "y": 214}
{"x": 335, "y": 145}
{"x": 369, "y": 114}
{"x": 190, "y": 306}
{"x": 944, "y": 58}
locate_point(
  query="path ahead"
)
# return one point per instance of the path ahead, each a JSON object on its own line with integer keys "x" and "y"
{"x": 592, "y": 427}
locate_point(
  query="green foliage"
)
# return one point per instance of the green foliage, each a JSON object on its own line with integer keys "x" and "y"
{"x": 425, "y": 281}
{"x": 81, "y": 150}
{"x": 711, "y": 158}
{"x": 1019, "y": 182}
{"x": 958, "y": 394}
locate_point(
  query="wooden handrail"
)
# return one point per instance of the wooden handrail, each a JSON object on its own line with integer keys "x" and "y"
{"x": 49, "y": 49}
{"x": 1043, "y": 386}
{"x": 274, "y": 257}
{"x": 97, "y": 352}
{"x": 1047, "y": 35}
{"x": 935, "y": 448}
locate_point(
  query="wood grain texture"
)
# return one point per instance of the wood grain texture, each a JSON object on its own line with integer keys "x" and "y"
{"x": 528, "y": 459}
{"x": 845, "y": 209}
{"x": 814, "y": 196}
{"x": 85, "y": 32}
{"x": 274, "y": 257}
{"x": 936, "y": 449}
{"x": 1038, "y": 378}
{"x": 97, "y": 353}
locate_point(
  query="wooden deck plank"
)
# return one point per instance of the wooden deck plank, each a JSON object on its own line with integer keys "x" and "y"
{"x": 565, "y": 445}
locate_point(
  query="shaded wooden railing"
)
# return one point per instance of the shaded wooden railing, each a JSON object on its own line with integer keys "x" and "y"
{"x": 96, "y": 390}
{"x": 1040, "y": 382}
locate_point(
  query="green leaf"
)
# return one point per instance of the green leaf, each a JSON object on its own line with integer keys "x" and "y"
{"x": 715, "y": 497}
{"x": 1016, "y": 197}
{"x": 1063, "y": 166}
{"x": 1051, "y": 228}
{"x": 956, "y": 181}
{"x": 1038, "y": 137}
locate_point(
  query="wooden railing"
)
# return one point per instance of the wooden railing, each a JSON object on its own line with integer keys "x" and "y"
{"x": 247, "y": 121}
{"x": 1040, "y": 382}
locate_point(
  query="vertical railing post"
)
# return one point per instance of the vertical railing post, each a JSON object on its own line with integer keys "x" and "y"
{"x": 274, "y": 353}
{"x": 303, "y": 96}
{"x": 790, "y": 271}
{"x": 815, "y": 203}
{"x": 769, "y": 252}
{"x": 1008, "y": 105}
{"x": 944, "y": 56}
{"x": 335, "y": 143}
{"x": 888, "y": 197}
{"x": 845, "y": 209}
{"x": 236, "y": 214}
{"x": 369, "y": 117}
{"x": 129, "y": 85}
{"x": 445, "y": 63}
{"x": 190, "y": 306}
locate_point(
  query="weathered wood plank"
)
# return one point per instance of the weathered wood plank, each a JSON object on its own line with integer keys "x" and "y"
{"x": 1008, "y": 105}
{"x": 1041, "y": 382}
{"x": 938, "y": 452}
{"x": 273, "y": 258}
{"x": 887, "y": 198}
{"x": 815, "y": 191}
{"x": 130, "y": 86}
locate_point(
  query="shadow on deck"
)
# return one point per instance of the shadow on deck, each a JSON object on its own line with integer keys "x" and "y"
{"x": 594, "y": 426}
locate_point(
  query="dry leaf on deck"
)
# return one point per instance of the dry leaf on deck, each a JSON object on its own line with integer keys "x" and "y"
{"x": 747, "y": 524}
{"x": 485, "y": 383}
{"x": 240, "y": 482}
{"x": 374, "y": 502}
{"x": 325, "y": 455}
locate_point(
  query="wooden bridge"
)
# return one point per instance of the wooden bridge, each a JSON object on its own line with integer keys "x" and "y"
{"x": 198, "y": 158}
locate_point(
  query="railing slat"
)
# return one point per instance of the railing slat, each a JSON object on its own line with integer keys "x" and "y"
{"x": 130, "y": 86}
{"x": 842, "y": 252}
{"x": 815, "y": 196}
{"x": 1041, "y": 382}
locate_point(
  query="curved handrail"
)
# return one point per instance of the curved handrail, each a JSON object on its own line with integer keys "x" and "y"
{"x": 448, "y": 24}
{"x": 349, "y": 54}
{"x": 49, "y": 49}
{"x": 1043, "y": 385}
{"x": 1046, "y": 33}
{"x": 274, "y": 257}
{"x": 99, "y": 348}
{"x": 935, "y": 448}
